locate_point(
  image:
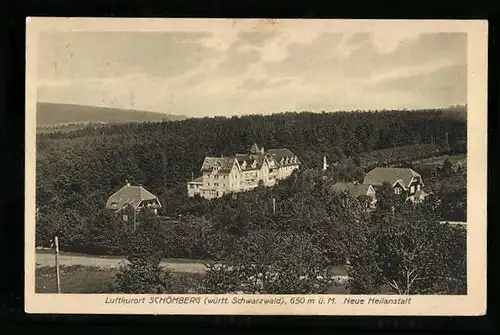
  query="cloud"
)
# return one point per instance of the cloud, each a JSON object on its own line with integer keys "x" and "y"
{"x": 387, "y": 41}
{"x": 441, "y": 86}
{"x": 76, "y": 55}
{"x": 253, "y": 68}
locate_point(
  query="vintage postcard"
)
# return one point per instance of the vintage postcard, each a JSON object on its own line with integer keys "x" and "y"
{"x": 256, "y": 166}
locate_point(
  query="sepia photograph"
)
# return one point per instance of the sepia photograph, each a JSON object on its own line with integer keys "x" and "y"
{"x": 255, "y": 162}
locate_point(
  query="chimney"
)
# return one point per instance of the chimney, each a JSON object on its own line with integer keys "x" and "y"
{"x": 262, "y": 150}
{"x": 127, "y": 183}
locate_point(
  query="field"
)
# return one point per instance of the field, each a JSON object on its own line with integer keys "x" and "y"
{"x": 439, "y": 160}
{"x": 92, "y": 279}
{"x": 95, "y": 274}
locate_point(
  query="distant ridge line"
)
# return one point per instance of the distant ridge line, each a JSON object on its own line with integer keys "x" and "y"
{"x": 53, "y": 114}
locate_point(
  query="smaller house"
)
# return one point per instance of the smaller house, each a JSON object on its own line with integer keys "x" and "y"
{"x": 129, "y": 200}
{"x": 194, "y": 186}
{"x": 404, "y": 181}
{"x": 356, "y": 190}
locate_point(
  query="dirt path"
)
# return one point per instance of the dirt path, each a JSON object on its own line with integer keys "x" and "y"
{"x": 47, "y": 259}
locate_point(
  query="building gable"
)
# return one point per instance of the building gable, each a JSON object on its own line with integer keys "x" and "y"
{"x": 380, "y": 175}
{"x": 129, "y": 196}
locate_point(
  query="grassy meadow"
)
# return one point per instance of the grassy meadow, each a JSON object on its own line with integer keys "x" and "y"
{"x": 91, "y": 279}
{"x": 439, "y": 160}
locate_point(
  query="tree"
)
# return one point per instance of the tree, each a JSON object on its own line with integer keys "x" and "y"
{"x": 143, "y": 275}
{"x": 145, "y": 250}
{"x": 106, "y": 235}
{"x": 410, "y": 252}
{"x": 272, "y": 263}
{"x": 148, "y": 240}
{"x": 446, "y": 169}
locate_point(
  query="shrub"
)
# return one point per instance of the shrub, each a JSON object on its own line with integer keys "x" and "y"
{"x": 143, "y": 275}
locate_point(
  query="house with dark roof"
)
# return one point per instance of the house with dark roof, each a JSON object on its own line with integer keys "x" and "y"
{"x": 129, "y": 200}
{"x": 404, "y": 181}
{"x": 242, "y": 172}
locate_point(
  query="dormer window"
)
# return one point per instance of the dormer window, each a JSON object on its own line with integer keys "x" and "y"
{"x": 244, "y": 165}
{"x": 254, "y": 164}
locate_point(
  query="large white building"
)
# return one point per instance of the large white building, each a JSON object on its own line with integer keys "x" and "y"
{"x": 222, "y": 175}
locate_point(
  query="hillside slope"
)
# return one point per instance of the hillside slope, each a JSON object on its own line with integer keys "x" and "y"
{"x": 50, "y": 114}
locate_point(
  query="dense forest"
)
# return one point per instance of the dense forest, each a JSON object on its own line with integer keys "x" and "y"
{"x": 77, "y": 171}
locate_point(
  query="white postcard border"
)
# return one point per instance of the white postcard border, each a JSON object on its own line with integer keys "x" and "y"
{"x": 474, "y": 303}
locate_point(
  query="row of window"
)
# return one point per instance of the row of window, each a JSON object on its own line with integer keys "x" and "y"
{"x": 398, "y": 190}
{"x": 213, "y": 192}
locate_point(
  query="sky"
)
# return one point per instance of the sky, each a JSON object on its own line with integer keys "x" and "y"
{"x": 244, "y": 71}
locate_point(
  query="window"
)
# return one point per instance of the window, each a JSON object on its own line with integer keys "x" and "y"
{"x": 125, "y": 218}
{"x": 412, "y": 189}
{"x": 191, "y": 186}
{"x": 397, "y": 190}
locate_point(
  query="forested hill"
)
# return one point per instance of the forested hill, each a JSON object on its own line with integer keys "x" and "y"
{"x": 77, "y": 171}
{"x": 49, "y": 114}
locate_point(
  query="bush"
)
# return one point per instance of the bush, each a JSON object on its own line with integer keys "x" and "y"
{"x": 143, "y": 275}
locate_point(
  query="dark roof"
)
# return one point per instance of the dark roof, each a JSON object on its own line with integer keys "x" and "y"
{"x": 129, "y": 195}
{"x": 354, "y": 189}
{"x": 273, "y": 157}
{"x": 271, "y": 162}
{"x": 278, "y": 154}
{"x": 225, "y": 163}
{"x": 250, "y": 159}
{"x": 380, "y": 175}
